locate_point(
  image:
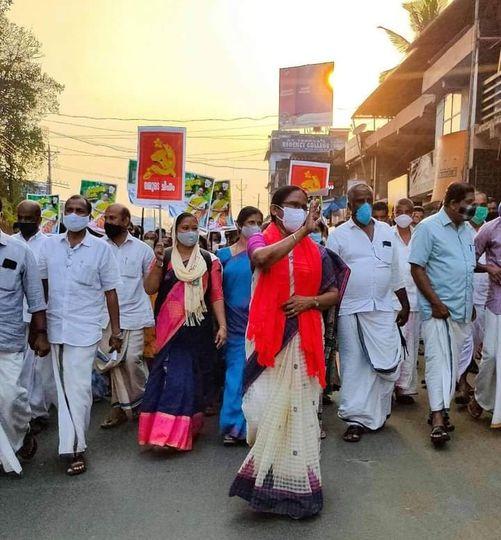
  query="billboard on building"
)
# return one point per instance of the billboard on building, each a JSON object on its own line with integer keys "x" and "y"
{"x": 306, "y": 96}
{"x": 421, "y": 175}
{"x": 290, "y": 143}
{"x": 450, "y": 162}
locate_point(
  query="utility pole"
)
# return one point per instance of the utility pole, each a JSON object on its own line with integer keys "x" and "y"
{"x": 241, "y": 189}
{"x": 49, "y": 170}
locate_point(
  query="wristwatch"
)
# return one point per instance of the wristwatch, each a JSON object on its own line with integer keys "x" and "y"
{"x": 316, "y": 303}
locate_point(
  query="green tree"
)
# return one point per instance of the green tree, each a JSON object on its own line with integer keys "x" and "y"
{"x": 27, "y": 94}
{"x": 421, "y": 13}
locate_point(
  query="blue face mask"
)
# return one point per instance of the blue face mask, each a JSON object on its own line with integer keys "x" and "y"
{"x": 364, "y": 213}
{"x": 188, "y": 238}
{"x": 316, "y": 237}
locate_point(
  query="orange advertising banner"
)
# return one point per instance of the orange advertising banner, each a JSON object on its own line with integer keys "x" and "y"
{"x": 161, "y": 155}
{"x": 311, "y": 176}
{"x": 450, "y": 156}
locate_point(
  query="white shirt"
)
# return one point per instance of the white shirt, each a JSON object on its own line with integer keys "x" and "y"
{"x": 480, "y": 279}
{"x": 35, "y": 244}
{"x": 404, "y": 250}
{"x": 78, "y": 278}
{"x": 134, "y": 259}
{"x": 375, "y": 270}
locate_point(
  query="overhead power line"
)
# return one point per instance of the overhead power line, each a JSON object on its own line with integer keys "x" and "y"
{"x": 236, "y": 137}
{"x": 171, "y": 120}
{"x": 234, "y": 153}
{"x": 123, "y": 158}
{"x": 226, "y": 166}
{"x": 105, "y": 175}
{"x": 75, "y": 124}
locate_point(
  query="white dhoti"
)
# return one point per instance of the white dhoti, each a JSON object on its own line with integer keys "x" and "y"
{"x": 37, "y": 377}
{"x": 488, "y": 382}
{"x": 444, "y": 340}
{"x": 407, "y": 382}
{"x": 473, "y": 343}
{"x": 73, "y": 375}
{"x": 369, "y": 352}
{"x": 15, "y": 413}
{"x": 127, "y": 370}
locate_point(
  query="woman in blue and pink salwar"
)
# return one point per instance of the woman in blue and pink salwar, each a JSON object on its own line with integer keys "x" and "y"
{"x": 190, "y": 294}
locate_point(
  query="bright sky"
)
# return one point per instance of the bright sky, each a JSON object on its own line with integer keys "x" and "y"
{"x": 197, "y": 59}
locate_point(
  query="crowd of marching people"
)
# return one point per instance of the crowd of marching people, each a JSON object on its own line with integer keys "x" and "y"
{"x": 261, "y": 330}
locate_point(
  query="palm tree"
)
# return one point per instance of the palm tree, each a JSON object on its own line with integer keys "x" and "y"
{"x": 421, "y": 13}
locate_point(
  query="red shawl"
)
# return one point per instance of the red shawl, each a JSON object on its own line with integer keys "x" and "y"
{"x": 266, "y": 316}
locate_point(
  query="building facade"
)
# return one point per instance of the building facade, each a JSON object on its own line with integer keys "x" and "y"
{"x": 436, "y": 118}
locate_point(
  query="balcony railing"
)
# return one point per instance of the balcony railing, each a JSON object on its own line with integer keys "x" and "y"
{"x": 491, "y": 98}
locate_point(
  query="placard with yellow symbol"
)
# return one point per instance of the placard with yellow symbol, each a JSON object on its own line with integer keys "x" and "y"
{"x": 311, "y": 176}
{"x": 161, "y": 162}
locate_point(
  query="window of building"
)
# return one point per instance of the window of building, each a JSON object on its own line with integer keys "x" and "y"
{"x": 452, "y": 114}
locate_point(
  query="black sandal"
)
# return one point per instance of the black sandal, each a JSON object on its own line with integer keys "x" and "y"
{"x": 353, "y": 434}
{"x": 439, "y": 436}
{"x": 228, "y": 440}
{"x": 447, "y": 421}
{"x": 404, "y": 399}
{"x": 29, "y": 449}
{"x": 77, "y": 465}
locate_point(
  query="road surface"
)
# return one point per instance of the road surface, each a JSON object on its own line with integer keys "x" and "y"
{"x": 391, "y": 485}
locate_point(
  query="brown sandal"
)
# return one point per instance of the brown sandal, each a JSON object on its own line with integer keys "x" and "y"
{"x": 474, "y": 409}
{"x": 114, "y": 421}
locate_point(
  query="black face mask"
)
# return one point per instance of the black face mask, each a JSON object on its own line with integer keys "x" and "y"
{"x": 468, "y": 211}
{"x": 491, "y": 215}
{"x": 112, "y": 230}
{"x": 27, "y": 229}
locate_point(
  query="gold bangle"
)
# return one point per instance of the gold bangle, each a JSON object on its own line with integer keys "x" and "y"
{"x": 294, "y": 236}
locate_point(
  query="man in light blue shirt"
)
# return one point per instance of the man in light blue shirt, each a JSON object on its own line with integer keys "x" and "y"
{"x": 442, "y": 264}
{"x": 19, "y": 279}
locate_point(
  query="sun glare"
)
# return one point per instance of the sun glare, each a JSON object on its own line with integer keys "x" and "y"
{"x": 331, "y": 79}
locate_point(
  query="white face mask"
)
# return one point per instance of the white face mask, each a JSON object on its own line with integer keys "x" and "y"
{"x": 403, "y": 221}
{"x": 293, "y": 218}
{"x": 75, "y": 223}
{"x": 249, "y": 230}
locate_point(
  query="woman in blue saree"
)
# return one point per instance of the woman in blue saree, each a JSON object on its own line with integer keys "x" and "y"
{"x": 237, "y": 277}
